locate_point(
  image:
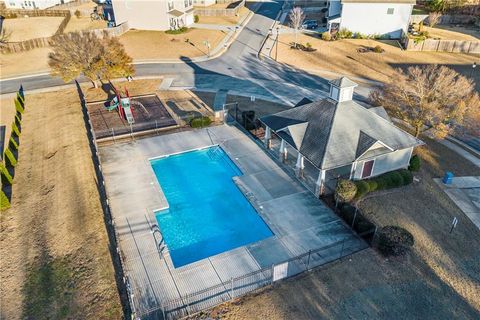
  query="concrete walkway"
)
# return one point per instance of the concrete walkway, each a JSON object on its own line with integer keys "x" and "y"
{"x": 465, "y": 192}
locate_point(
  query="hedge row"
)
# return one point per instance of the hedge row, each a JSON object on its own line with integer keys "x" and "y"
{"x": 388, "y": 180}
{"x": 200, "y": 122}
{"x": 12, "y": 149}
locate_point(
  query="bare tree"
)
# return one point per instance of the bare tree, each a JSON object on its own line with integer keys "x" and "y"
{"x": 296, "y": 20}
{"x": 433, "y": 18}
{"x": 5, "y": 35}
{"x": 433, "y": 98}
{"x": 84, "y": 53}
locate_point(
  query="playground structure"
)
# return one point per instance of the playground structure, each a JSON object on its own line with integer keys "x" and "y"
{"x": 124, "y": 106}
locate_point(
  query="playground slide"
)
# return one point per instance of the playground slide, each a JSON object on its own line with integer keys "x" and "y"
{"x": 129, "y": 115}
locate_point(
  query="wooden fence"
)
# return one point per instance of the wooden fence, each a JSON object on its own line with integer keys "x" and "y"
{"x": 13, "y": 47}
{"x": 219, "y": 12}
{"x": 445, "y": 19}
{"x": 18, "y": 13}
{"x": 442, "y": 45}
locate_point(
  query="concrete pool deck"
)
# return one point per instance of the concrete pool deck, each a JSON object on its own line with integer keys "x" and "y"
{"x": 299, "y": 221}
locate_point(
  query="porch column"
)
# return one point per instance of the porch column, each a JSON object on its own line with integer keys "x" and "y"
{"x": 268, "y": 137}
{"x": 300, "y": 165}
{"x": 283, "y": 151}
{"x": 352, "y": 171}
{"x": 319, "y": 185}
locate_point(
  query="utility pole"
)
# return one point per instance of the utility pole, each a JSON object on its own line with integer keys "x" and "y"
{"x": 276, "y": 45}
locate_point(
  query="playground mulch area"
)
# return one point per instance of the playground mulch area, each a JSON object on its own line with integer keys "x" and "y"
{"x": 148, "y": 111}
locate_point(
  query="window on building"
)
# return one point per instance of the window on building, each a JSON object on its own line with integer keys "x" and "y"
{"x": 190, "y": 2}
{"x": 390, "y": 10}
{"x": 185, "y": 2}
{"x": 170, "y": 5}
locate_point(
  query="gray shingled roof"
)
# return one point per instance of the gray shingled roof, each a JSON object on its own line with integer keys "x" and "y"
{"x": 337, "y": 133}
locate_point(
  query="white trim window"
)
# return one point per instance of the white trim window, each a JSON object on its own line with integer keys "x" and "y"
{"x": 367, "y": 168}
{"x": 390, "y": 10}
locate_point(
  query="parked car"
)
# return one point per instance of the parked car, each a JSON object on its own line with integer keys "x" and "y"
{"x": 310, "y": 24}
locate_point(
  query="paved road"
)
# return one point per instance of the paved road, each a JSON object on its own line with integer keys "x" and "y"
{"x": 238, "y": 69}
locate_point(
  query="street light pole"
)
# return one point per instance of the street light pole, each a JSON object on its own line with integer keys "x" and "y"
{"x": 276, "y": 45}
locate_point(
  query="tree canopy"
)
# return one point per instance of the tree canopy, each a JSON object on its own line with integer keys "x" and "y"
{"x": 434, "y": 98}
{"x": 85, "y": 53}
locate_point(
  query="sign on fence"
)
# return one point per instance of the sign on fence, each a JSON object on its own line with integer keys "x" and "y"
{"x": 280, "y": 271}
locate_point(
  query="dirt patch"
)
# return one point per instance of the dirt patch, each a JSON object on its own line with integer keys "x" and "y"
{"x": 33, "y": 27}
{"x": 159, "y": 45}
{"x": 343, "y": 57}
{"x": 55, "y": 258}
{"x": 442, "y": 269}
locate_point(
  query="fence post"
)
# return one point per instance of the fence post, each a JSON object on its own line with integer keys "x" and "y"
{"x": 163, "y": 309}
{"x": 156, "y": 127}
{"x": 231, "y": 288}
{"x": 308, "y": 260}
{"x": 273, "y": 267}
{"x": 354, "y": 216}
{"x": 341, "y": 252}
{"x": 131, "y": 131}
{"x": 113, "y": 135}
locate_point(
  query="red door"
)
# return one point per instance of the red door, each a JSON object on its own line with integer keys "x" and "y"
{"x": 367, "y": 169}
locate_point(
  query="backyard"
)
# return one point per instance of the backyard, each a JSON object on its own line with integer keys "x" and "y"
{"x": 440, "y": 272}
{"x": 54, "y": 247}
{"x": 225, "y": 20}
{"x": 32, "y": 27}
{"x": 342, "y": 57}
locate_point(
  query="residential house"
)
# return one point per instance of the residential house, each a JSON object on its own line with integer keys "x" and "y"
{"x": 203, "y": 3}
{"x": 389, "y": 18}
{"x": 340, "y": 138}
{"x": 153, "y": 14}
{"x": 35, "y": 4}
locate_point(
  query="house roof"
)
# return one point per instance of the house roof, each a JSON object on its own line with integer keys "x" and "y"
{"x": 343, "y": 82}
{"x": 332, "y": 134}
{"x": 380, "y": 1}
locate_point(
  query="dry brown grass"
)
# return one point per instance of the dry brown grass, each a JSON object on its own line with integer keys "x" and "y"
{"x": 441, "y": 271}
{"x": 342, "y": 57}
{"x": 225, "y": 20}
{"x": 54, "y": 247}
{"x": 448, "y": 34}
{"x": 33, "y": 27}
{"x": 159, "y": 45}
{"x": 7, "y": 116}
{"x": 84, "y": 23}
{"x": 27, "y": 62}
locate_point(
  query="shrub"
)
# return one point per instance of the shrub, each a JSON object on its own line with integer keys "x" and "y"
{"x": 359, "y": 35}
{"x": 326, "y": 36}
{"x": 177, "y": 31}
{"x": 362, "y": 188}
{"x": 407, "y": 176}
{"x": 13, "y": 143}
{"x": 4, "y": 202}
{"x": 6, "y": 177}
{"x": 77, "y": 14}
{"x": 344, "y": 33}
{"x": 10, "y": 158}
{"x": 15, "y": 129}
{"x": 362, "y": 224}
{"x": 393, "y": 179}
{"x": 21, "y": 99}
{"x": 415, "y": 163}
{"x": 196, "y": 18}
{"x": 308, "y": 45}
{"x": 345, "y": 190}
{"x": 372, "y": 184}
{"x": 378, "y": 49}
{"x": 18, "y": 106}
{"x": 347, "y": 212}
{"x": 200, "y": 122}
{"x": 393, "y": 240}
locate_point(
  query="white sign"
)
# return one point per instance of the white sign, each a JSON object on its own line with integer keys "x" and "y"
{"x": 252, "y": 98}
{"x": 280, "y": 271}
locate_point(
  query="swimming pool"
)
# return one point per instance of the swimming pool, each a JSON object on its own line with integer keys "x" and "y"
{"x": 207, "y": 212}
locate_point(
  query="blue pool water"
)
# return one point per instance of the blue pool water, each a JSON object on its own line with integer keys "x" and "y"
{"x": 208, "y": 214}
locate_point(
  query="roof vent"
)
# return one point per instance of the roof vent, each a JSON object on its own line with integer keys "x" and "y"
{"x": 342, "y": 89}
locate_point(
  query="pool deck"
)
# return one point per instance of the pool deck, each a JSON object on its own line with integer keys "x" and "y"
{"x": 299, "y": 221}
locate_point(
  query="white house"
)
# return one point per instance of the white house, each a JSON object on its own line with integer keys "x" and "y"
{"x": 34, "y": 4}
{"x": 340, "y": 138}
{"x": 371, "y": 17}
{"x": 153, "y": 14}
